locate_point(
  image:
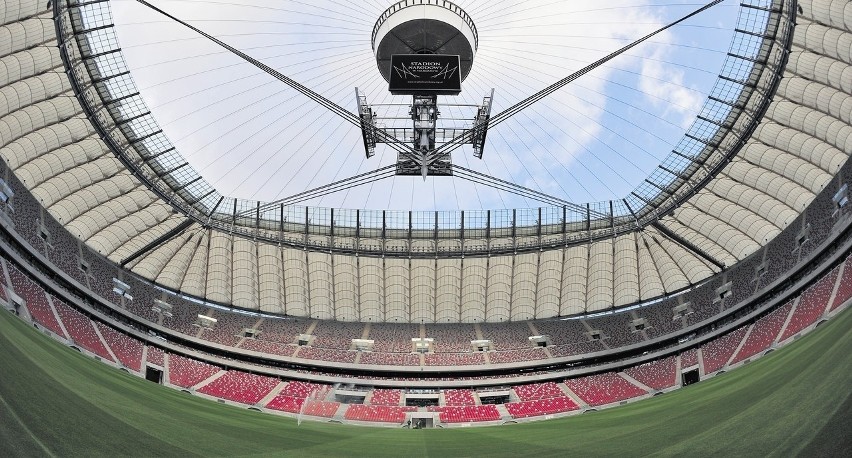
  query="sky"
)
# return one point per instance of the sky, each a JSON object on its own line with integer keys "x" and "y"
{"x": 253, "y": 137}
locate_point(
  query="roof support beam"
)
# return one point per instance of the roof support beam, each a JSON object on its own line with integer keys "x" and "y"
{"x": 687, "y": 244}
{"x": 158, "y": 241}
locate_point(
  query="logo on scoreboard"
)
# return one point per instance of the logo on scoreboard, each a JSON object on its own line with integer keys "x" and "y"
{"x": 434, "y": 74}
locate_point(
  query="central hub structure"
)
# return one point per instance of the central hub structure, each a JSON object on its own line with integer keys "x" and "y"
{"x": 425, "y": 48}
{"x": 425, "y": 27}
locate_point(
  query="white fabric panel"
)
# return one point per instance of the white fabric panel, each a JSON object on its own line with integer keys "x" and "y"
{"x": 824, "y": 40}
{"x": 33, "y": 117}
{"x": 85, "y": 187}
{"x": 245, "y": 288}
{"x": 824, "y": 69}
{"x": 819, "y": 97}
{"x": 13, "y": 11}
{"x": 177, "y": 265}
{"x": 32, "y": 90}
{"x": 827, "y": 157}
{"x": 524, "y": 286}
{"x": 50, "y": 164}
{"x": 154, "y": 261}
{"x": 195, "y": 279}
{"x": 219, "y": 267}
{"x": 600, "y": 281}
{"x": 575, "y": 280}
{"x": 137, "y": 229}
{"x": 50, "y": 138}
{"x": 718, "y": 250}
{"x": 110, "y": 212}
{"x": 649, "y": 277}
{"x": 746, "y": 221}
{"x": 26, "y": 34}
{"x": 271, "y": 280}
{"x": 397, "y": 290}
{"x": 371, "y": 287}
{"x": 549, "y": 282}
{"x": 345, "y": 288}
{"x": 783, "y": 163}
{"x": 295, "y": 282}
{"x": 672, "y": 277}
{"x": 448, "y": 294}
{"x": 498, "y": 295}
{"x": 473, "y": 291}
{"x": 29, "y": 62}
{"x": 837, "y": 13}
{"x": 321, "y": 285}
{"x": 626, "y": 275}
{"x": 423, "y": 290}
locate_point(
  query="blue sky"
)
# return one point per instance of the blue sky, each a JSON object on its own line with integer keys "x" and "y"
{"x": 253, "y": 137}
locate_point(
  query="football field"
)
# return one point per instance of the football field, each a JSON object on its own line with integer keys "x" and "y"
{"x": 56, "y": 402}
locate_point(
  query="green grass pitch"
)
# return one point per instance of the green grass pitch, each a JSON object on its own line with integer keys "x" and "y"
{"x": 57, "y": 402}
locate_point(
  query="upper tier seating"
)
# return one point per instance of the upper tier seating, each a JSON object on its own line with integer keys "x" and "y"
{"x": 264, "y": 346}
{"x": 393, "y": 337}
{"x": 336, "y": 334}
{"x": 601, "y": 389}
{"x": 451, "y": 338}
{"x": 507, "y": 336}
{"x": 514, "y": 356}
{"x": 454, "y": 359}
{"x": 390, "y": 359}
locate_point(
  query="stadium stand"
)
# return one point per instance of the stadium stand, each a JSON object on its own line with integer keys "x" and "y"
{"x": 386, "y": 397}
{"x": 241, "y": 387}
{"x": 272, "y": 348}
{"x": 844, "y": 290}
{"x": 81, "y": 330}
{"x": 579, "y": 348}
{"x": 393, "y": 337}
{"x": 563, "y": 332}
{"x": 229, "y": 327}
{"x": 466, "y": 414}
{"x": 811, "y": 305}
{"x": 155, "y": 356}
{"x": 36, "y": 301}
{"x": 451, "y": 338}
{"x": 327, "y": 354}
{"x": 187, "y": 372}
{"x": 763, "y": 333}
{"x": 689, "y": 358}
{"x": 539, "y": 407}
{"x": 659, "y": 374}
{"x": 336, "y": 335}
{"x": 390, "y": 359}
{"x": 536, "y": 391}
{"x": 459, "y": 398}
{"x": 318, "y": 408}
{"x": 127, "y": 349}
{"x": 286, "y": 403}
{"x": 602, "y": 389}
{"x": 617, "y": 328}
{"x": 281, "y": 330}
{"x": 716, "y": 353}
{"x": 515, "y": 356}
{"x": 454, "y": 359}
{"x": 507, "y": 336}
{"x": 378, "y": 413}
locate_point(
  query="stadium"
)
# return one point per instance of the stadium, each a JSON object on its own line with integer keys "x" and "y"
{"x": 186, "y": 268}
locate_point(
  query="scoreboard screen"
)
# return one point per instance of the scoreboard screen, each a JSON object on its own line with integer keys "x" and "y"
{"x": 425, "y": 74}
